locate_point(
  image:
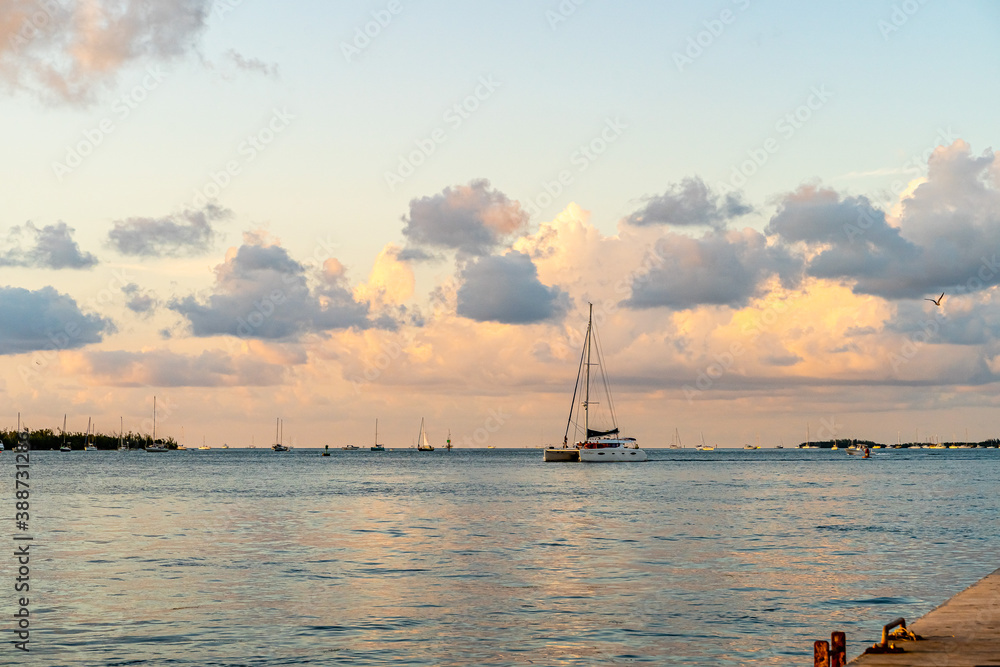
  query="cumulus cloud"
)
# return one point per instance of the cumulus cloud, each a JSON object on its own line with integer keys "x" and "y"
{"x": 506, "y": 289}
{"x": 163, "y": 368}
{"x": 946, "y": 241}
{"x": 473, "y": 219}
{"x": 45, "y": 320}
{"x": 391, "y": 280}
{"x": 52, "y": 247}
{"x": 66, "y": 51}
{"x": 720, "y": 268}
{"x": 261, "y": 292}
{"x": 187, "y": 233}
{"x": 690, "y": 203}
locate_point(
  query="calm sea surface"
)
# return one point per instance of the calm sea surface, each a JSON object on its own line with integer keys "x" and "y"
{"x": 488, "y": 557}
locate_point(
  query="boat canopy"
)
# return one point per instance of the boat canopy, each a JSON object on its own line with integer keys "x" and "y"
{"x": 591, "y": 433}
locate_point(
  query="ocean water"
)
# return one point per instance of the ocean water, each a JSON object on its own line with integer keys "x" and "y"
{"x": 489, "y": 557}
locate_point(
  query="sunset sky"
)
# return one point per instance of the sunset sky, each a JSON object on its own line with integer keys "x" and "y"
{"x": 337, "y": 212}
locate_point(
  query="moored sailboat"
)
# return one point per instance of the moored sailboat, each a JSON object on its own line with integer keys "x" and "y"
{"x": 88, "y": 445}
{"x": 422, "y": 444}
{"x": 377, "y": 447}
{"x": 278, "y": 433}
{"x": 65, "y": 446}
{"x": 598, "y": 446}
{"x": 703, "y": 447}
{"x": 152, "y": 446}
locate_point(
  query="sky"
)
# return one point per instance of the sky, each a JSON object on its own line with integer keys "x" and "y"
{"x": 334, "y": 213}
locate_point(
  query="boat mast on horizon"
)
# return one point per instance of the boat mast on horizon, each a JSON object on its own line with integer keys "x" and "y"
{"x": 278, "y": 433}
{"x": 597, "y": 446}
{"x": 88, "y": 445}
{"x": 422, "y": 444}
{"x": 376, "y": 447}
{"x": 64, "y": 447}
{"x": 152, "y": 446}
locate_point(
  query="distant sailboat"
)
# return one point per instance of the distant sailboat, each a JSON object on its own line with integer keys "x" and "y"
{"x": 377, "y": 447}
{"x": 422, "y": 444}
{"x": 22, "y": 443}
{"x": 807, "y": 445}
{"x": 675, "y": 443}
{"x": 65, "y": 447}
{"x": 703, "y": 447}
{"x": 153, "y": 447}
{"x": 278, "y": 433}
{"x": 88, "y": 444}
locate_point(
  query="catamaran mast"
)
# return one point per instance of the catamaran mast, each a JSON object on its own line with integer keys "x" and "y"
{"x": 586, "y": 400}
{"x": 154, "y": 420}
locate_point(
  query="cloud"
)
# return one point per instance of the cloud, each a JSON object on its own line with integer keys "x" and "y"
{"x": 45, "y": 320}
{"x": 690, "y": 203}
{"x": 473, "y": 219}
{"x": 187, "y": 233}
{"x": 506, "y": 289}
{"x": 251, "y": 64}
{"x": 720, "y": 268}
{"x": 139, "y": 301}
{"x": 163, "y": 368}
{"x": 948, "y": 238}
{"x": 391, "y": 281}
{"x": 261, "y": 292}
{"x": 65, "y": 52}
{"x": 54, "y": 248}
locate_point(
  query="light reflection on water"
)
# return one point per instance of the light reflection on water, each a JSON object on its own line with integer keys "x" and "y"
{"x": 492, "y": 557}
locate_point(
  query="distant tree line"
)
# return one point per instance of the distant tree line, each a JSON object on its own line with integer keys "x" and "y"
{"x": 828, "y": 444}
{"x": 46, "y": 438}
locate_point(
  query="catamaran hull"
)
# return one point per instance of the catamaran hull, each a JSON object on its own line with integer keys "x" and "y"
{"x": 554, "y": 455}
{"x": 612, "y": 455}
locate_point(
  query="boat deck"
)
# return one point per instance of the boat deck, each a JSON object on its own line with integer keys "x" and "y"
{"x": 962, "y": 632}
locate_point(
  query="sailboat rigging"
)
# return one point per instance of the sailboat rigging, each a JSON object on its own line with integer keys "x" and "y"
{"x": 153, "y": 446}
{"x": 65, "y": 447}
{"x": 703, "y": 447}
{"x": 422, "y": 444}
{"x": 377, "y": 447}
{"x": 278, "y": 433}
{"x": 598, "y": 445}
{"x": 88, "y": 444}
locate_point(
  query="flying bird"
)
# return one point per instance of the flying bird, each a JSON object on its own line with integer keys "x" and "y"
{"x": 936, "y": 302}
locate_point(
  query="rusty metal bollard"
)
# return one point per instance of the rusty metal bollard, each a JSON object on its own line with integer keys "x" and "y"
{"x": 838, "y": 649}
{"x": 821, "y": 654}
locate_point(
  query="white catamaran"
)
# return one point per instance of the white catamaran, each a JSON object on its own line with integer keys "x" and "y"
{"x": 597, "y": 446}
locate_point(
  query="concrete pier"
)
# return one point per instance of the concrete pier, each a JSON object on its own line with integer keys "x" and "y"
{"x": 963, "y": 632}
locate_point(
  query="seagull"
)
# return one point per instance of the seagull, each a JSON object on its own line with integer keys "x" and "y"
{"x": 936, "y": 302}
